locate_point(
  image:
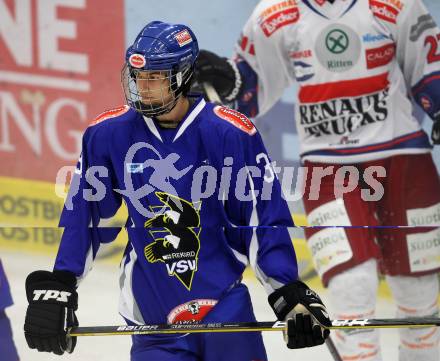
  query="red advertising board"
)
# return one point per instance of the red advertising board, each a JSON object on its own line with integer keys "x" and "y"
{"x": 60, "y": 63}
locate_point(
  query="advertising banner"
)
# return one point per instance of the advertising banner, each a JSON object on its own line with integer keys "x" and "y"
{"x": 60, "y": 63}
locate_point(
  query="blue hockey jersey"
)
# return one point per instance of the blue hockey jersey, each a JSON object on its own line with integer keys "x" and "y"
{"x": 203, "y": 202}
{"x": 5, "y": 293}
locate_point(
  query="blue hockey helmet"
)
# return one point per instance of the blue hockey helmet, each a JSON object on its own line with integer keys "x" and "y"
{"x": 159, "y": 67}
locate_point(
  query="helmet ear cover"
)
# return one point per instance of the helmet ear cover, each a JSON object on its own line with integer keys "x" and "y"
{"x": 181, "y": 80}
{"x": 132, "y": 73}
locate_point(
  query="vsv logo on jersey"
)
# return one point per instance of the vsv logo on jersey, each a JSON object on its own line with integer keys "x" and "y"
{"x": 181, "y": 266}
{"x": 176, "y": 234}
{"x": 46, "y": 295}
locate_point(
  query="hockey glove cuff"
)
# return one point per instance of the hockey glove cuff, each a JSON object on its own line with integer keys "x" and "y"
{"x": 53, "y": 301}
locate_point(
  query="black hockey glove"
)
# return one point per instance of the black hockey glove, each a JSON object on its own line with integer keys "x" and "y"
{"x": 304, "y": 313}
{"x": 220, "y": 72}
{"x": 435, "y": 135}
{"x": 52, "y": 301}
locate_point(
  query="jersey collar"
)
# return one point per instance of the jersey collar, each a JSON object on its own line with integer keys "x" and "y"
{"x": 189, "y": 118}
{"x": 197, "y": 108}
{"x": 319, "y": 9}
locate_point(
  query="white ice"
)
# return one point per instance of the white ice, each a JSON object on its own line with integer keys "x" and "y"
{"x": 98, "y": 302}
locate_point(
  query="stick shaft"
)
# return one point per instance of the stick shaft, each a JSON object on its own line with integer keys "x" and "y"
{"x": 332, "y": 349}
{"x": 178, "y": 328}
{"x": 248, "y": 327}
{"x": 211, "y": 93}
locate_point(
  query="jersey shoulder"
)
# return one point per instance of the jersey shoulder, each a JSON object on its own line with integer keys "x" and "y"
{"x": 266, "y": 6}
{"x": 226, "y": 119}
{"x": 118, "y": 120}
{"x": 395, "y": 4}
{"x": 389, "y": 11}
{"x": 273, "y": 15}
{"x": 120, "y": 113}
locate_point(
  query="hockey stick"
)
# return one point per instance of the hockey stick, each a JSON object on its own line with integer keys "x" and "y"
{"x": 247, "y": 327}
{"x": 211, "y": 93}
{"x": 332, "y": 349}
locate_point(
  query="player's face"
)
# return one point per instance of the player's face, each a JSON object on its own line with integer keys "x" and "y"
{"x": 154, "y": 87}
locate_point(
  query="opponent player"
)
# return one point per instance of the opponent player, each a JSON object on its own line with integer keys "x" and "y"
{"x": 7, "y": 347}
{"x": 358, "y": 65}
{"x": 203, "y": 202}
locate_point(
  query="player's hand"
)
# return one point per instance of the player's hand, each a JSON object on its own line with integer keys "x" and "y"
{"x": 52, "y": 304}
{"x": 435, "y": 135}
{"x": 219, "y": 72}
{"x": 304, "y": 313}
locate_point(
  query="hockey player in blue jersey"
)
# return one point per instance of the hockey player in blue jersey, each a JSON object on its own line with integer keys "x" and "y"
{"x": 7, "y": 346}
{"x": 203, "y": 203}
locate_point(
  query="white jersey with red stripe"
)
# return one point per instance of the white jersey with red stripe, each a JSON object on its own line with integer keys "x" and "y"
{"x": 358, "y": 64}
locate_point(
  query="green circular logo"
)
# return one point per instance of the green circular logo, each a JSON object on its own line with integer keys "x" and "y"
{"x": 338, "y": 47}
{"x": 337, "y": 41}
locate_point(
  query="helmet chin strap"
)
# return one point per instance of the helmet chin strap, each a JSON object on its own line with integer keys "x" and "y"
{"x": 168, "y": 124}
{"x": 173, "y": 105}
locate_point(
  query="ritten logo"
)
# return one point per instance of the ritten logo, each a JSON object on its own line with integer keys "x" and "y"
{"x": 137, "y": 60}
